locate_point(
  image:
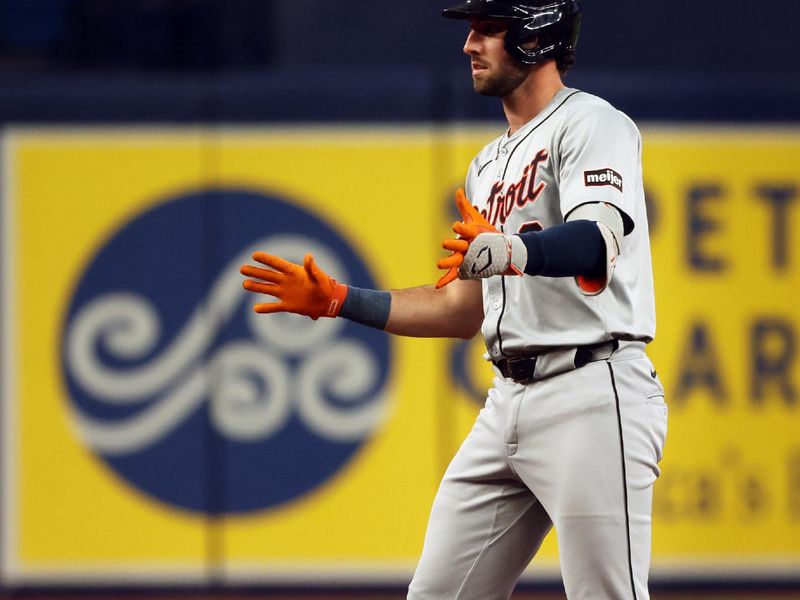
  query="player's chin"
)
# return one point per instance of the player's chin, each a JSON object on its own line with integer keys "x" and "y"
{"x": 480, "y": 82}
{"x": 498, "y": 83}
{"x": 486, "y": 87}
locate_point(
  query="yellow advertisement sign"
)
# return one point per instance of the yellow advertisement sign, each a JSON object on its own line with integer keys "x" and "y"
{"x": 727, "y": 264}
{"x": 153, "y": 429}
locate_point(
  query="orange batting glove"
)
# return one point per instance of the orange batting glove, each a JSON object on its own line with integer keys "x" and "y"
{"x": 303, "y": 290}
{"x": 472, "y": 223}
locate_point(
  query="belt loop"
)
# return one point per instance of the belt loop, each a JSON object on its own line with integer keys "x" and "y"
{"x": 586, "y": 354}
{"x": 583, "y": 356}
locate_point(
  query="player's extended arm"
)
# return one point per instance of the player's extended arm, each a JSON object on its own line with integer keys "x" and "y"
{"x": 420, "y": 312}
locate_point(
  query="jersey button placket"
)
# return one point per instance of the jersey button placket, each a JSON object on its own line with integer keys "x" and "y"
{"x": 501, "y": 161}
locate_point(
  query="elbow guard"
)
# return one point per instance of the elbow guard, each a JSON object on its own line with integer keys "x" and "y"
{"x": 609, "y": 221}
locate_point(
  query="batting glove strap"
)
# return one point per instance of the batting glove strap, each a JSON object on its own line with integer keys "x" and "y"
{"x": 337, "y": 299}
{"x": 491, "y": 254}
{"x": 519, "y": 255}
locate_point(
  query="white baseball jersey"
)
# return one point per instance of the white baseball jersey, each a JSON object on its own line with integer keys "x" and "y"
{"x": 578, "y": 150}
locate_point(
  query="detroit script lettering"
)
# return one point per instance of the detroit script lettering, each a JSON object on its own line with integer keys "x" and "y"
{"x": 501, "y": 204}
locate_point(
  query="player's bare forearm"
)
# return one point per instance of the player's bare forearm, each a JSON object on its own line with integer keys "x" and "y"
{"x": 454, "y": 311}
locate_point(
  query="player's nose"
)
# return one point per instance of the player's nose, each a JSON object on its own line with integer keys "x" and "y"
{"x": 471, "y": 43}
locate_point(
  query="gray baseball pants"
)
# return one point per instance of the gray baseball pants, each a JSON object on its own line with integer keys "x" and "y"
{"x": 578, "y": 451}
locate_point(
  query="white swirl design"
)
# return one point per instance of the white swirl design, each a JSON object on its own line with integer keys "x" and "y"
{"x": 238, "y": 409}
{"x": 251, "y": 390}
{"x": 345, "y": 370}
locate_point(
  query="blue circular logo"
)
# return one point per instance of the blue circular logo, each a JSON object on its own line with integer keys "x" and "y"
{"x": 188, "y": 394}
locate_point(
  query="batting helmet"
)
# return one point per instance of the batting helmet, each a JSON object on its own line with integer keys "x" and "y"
{"x": 554, "y": 24}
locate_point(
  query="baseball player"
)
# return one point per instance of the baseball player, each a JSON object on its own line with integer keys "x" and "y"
{"x": 552, "y": 264}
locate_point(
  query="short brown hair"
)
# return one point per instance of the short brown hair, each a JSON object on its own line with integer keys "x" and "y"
{"x": 565, "y": 61}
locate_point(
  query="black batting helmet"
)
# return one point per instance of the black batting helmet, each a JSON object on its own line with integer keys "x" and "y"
{"x": 554, "y": 24}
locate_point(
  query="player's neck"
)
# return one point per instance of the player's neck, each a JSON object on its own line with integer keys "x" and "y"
{"x": 532, "y": 96}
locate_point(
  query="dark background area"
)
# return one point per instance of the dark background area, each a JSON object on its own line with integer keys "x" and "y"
{"x": 709, "y": 37}
{"x": 233, "y": 60}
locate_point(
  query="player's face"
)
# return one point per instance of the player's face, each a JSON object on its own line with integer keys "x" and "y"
{"x": 494, "y": 71}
